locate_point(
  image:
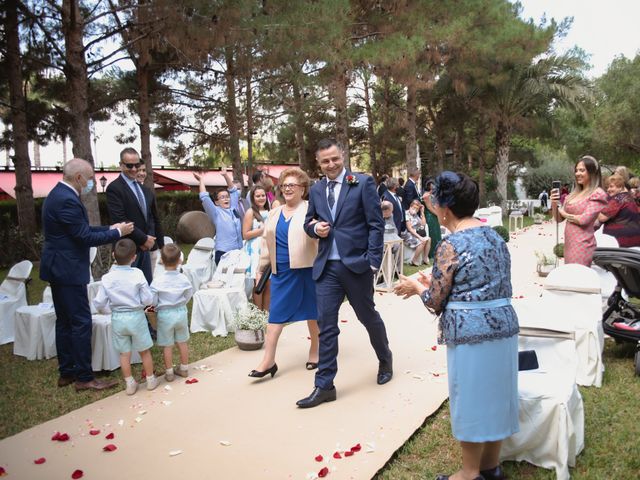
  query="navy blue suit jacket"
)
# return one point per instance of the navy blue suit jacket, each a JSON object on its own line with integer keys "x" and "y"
{"x": 357, "y": 229}
{"x": 399, "y": 217}
{"x": 410, "y": 194}
{"x": 68, "y": 237}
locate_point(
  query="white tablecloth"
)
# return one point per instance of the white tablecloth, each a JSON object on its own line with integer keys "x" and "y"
{"x": 213, "y": 309}
{"x": 35, "y": 334}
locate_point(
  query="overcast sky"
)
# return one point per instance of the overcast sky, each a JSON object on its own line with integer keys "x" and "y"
{"x": 603, "y": 29}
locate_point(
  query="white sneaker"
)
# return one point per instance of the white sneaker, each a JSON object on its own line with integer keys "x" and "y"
{"x": 152, "y": 382}
{"x": 169, "y": 376}
{"x": 182, "y": 373}
{"x": 132, "y": 387}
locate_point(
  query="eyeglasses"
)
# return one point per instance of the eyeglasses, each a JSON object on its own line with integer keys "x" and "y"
{"x": 290, "y": 186}
{"x": 131, "y": 166}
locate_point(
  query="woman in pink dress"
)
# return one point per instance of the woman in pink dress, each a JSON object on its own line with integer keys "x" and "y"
{"x": 581, "y": 209}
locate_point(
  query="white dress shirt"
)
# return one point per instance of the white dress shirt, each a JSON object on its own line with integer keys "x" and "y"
{"x": 123, "y": 289}
{"x": 171, "y": 289}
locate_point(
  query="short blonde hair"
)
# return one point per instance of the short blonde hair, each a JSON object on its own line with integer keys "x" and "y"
{"x": 634, "y": 182}
{"x": 616, "y": 180}
{"x": 301, "y": 176}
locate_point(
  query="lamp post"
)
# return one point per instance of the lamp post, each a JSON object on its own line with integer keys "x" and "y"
{"x": 103, "y": 182}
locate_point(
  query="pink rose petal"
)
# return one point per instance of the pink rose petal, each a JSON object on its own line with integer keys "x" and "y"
{"x": 94, "y": 432}
{"x": 337, "y": 455}
{"x": 110, "y": 436}
{"x": 39, "y": 461}
{"x": 109, "y": 448}
{"x": 356, "y": 448}
{"x": 323, "y": 472}
{"x": 77, "y": 474}
{"x": 319, "y": 458}
{"x": 348, "y": 453}
{"x": 434, "y": 348}
{"x": 191, "y": 380}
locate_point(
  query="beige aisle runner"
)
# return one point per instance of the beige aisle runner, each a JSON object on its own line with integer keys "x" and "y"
{"x": 228, "y": 426}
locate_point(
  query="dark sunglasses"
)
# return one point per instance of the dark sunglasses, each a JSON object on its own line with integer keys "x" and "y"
{"x": 131, "y": 166}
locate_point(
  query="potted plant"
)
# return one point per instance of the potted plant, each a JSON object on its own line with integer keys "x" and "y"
{"x": 558, "y": 250}
{"x": 538, "y": 218}
{"x": 249, "y": 324}
{"x": 546, "y": 263}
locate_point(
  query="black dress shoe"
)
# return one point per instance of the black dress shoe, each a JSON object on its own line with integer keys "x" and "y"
{"x": 496, "y": 473}
{"x": 311, "y": 365}
{"x": 64, "y": 381}
{"x": 446, "y": 477}
{"x": 259, "y": 374}
{"x": 318, "y": 396}
{"x": 385, "y": 372}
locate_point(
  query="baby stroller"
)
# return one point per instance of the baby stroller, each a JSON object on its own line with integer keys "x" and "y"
{"x": 621, "y": 319}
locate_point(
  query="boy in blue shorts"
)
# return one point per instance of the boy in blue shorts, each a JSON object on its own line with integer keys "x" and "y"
{"x": 172, "y": 290}
{"x": 126, "y": 291}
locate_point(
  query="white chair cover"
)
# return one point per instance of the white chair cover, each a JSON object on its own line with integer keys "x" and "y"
{"x": 551, "y": 409}
{"x": 13, "y": 295}
{"x": 35, "y": 335}
{"x": 608, "y": 281}
{"x": 492, "y": 216}
{"x": 200, "y": 262}
{"x": 92, "y": 291}
{"x": 103, "y": 355}
{"x": 572, "y": 297}
{"x": 93, "y": 252}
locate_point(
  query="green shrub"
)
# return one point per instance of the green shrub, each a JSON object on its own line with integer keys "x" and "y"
{"x": 503, "y": 232}
{"x": 558, "y": 250}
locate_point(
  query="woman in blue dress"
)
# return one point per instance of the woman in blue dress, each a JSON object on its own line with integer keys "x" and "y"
{"x": 290, "y": 252}
{"x": 470, "y": 289}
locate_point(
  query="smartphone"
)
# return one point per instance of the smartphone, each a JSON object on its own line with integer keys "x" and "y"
{"x": 556, "y": 184}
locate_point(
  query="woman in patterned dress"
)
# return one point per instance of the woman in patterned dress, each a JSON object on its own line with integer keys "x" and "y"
{"x": 470, "y": 290}
{"x": 581, "y": 209}
{"x": 252, "y": 230}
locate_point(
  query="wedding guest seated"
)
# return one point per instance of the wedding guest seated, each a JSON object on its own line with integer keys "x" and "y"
{"x": 620, "y": 216}
{"x": 171, "y": 291}
{"x": 416, "y": 236}
{"x": 126, "y": 291}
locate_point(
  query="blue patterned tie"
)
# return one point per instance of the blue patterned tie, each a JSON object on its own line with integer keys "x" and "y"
{"x": 332, "y": 197}
{"x": 143, "y": 205}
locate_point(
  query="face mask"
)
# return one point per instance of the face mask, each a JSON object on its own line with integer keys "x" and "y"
{"x": 88, "y": 187}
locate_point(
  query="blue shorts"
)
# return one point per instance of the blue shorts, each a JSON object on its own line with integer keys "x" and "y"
{"x": 172, "y": 326}
{"x": 130, "y": 331}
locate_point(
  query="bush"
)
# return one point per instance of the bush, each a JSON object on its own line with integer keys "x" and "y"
{"x": 558, "y": 250}
{"x": 503, "y": 232}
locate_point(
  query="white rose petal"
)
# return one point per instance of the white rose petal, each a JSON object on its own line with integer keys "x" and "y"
{"x": 173, "y": 453}
{"x": 370, "y": 447}
{"x": 121, "y": 422}
{"x": 142, "y": 412}
{"x": 138, "y": 419}
{"x": 168, "y": 388}
{"x": 225, "y": 443}
{"x": 166, "y": 402}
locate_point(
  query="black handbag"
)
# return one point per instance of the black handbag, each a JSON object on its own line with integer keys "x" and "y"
{"x": 527, "y": 360}
{"x": 263, "y": 280}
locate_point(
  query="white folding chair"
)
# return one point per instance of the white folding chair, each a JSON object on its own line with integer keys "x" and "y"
{"x": 13, "y": 295}
{"x": 551, "y": 411}
{"x": 215, "y": 304}
{"x": 35, "y": 336}
{"x": 572, "y": 296}
{"x": 392, "y": 265}
{"x": 200, "y": 264}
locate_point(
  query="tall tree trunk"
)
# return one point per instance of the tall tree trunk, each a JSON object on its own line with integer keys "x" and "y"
{"x": 232, "y": 113}
{"x": 469, "y": 162}
{"x": 411, "y": 149}
{"x": 386, "y": 113}
{"x": 342, "y": 118}
{"x": 298, "y": 104}
{"x": 77, "y": 84}
{"x": 249, "y": 99}
{"x": 370, "y": 131}
{"x": 503, "y": 143}
{"x": 36, "y": 154}
{"x": 23, "y": 189}
{"x": 441, "y": 151}
{"x": 64, "y": 150}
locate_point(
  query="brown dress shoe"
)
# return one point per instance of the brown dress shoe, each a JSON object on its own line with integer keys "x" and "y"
{"x": 64, "y": 381}
{"x": 96, "y": 385}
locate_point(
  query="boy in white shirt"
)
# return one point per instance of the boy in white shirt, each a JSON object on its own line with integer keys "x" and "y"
{"x": 171, "y": 291}
{"x": 126, "y": 291}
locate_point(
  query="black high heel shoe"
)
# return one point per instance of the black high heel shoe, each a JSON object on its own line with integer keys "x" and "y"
{"x": 259, "y": 374}
{"x": 311, "y": 365}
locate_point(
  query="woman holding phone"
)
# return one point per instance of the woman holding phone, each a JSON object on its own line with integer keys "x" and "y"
{"x": 580, "y": 210}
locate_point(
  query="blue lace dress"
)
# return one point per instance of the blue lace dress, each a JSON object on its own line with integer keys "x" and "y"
{"x": 473, "y": 267}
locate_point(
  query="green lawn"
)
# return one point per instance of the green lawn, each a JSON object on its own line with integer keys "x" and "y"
{"x": 611, "y": 431}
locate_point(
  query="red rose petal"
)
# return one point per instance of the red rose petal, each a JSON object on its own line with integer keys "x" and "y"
{"x": 319, "y": 458}
{"x": 56, "y": 436}
{"x": 323, "y": 472}
{"x": 3, "y": 472}
{"x": 63, "y": 437}
{"x": 348, "y": 453}
{"x": 109, "y": 448}
{"x": 191, "y": 380}
{"x": 94, "y": 432}
{"x": 356, "y": 448}
{"x": 77, "y": 474}
{"x": 39, "y": 461}
{"x": 110, "y": 436}
{"x": 337, "y": 455}
{"x": 434, "y": 348}
{"x": 343, "y": 321}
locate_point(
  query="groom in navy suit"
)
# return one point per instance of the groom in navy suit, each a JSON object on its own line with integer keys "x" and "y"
{"x": 344, "y": 213}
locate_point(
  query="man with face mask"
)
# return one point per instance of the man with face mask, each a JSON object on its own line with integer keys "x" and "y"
{"x": 65, "y": 265}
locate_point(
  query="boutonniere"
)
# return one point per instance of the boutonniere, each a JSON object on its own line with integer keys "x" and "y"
{"x": 351, "y": 180}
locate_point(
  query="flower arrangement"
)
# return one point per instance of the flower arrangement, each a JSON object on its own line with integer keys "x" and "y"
{"x": 351, "y": 180}
{"x": 250, "y": 318}
{"x": 544, "y": 259}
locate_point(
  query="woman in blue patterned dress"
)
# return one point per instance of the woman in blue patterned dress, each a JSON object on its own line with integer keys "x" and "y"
{"x": 290, "y": 252}
{"x": 252, "y": 230}
{"x": 470, "y": 289}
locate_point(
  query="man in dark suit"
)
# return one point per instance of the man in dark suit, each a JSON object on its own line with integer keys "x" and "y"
{"x": 128, "y": 201}
{"x": 399, "y": 215}
{"x": 344, "y": 213}
{"x": 65, "y": 265}
{"x": 411, "y": 189}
